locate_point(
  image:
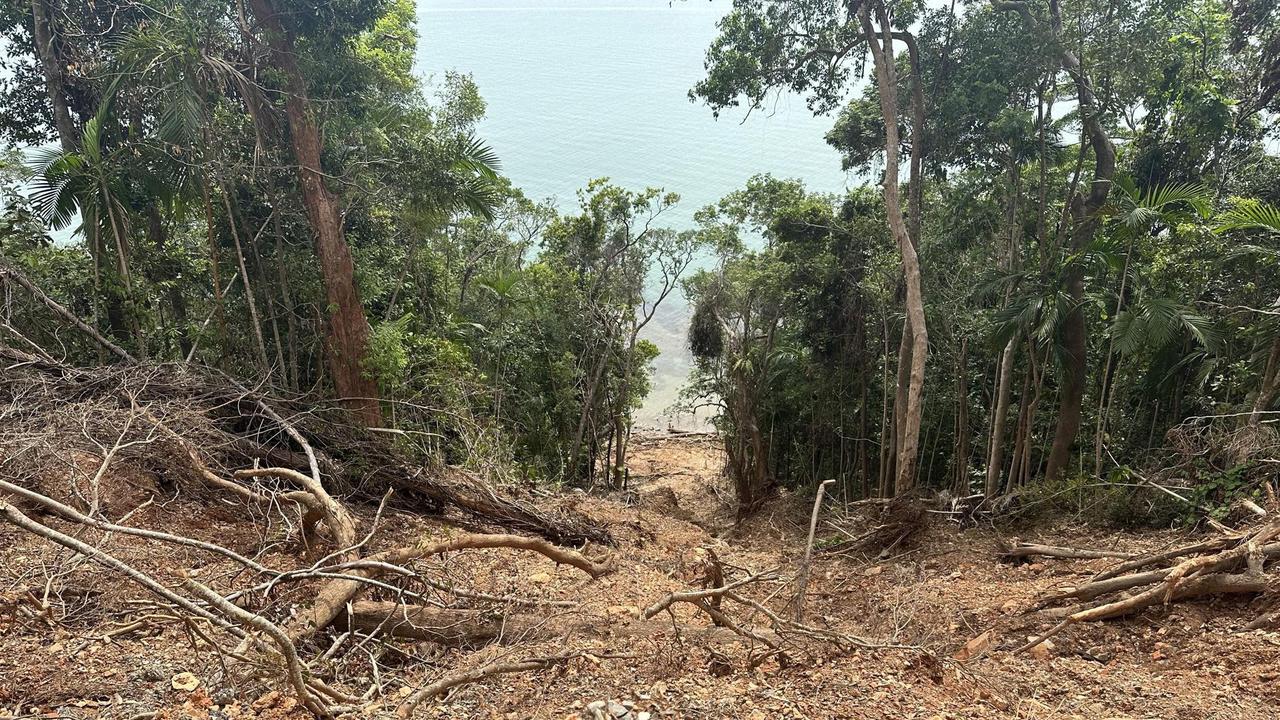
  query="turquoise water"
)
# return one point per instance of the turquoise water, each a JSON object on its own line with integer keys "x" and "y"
{"x": 578, "y": 89}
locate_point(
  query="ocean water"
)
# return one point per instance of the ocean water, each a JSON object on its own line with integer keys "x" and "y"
{"x": 581, "y": 89}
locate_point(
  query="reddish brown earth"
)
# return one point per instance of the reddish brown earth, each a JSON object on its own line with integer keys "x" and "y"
{"x": 934, "y": 595}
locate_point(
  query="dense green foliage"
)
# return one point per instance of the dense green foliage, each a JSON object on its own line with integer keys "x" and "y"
{"x": 175, "y": 206}
{"x": 500, "y": 330}
{"x": 797, "y": 338}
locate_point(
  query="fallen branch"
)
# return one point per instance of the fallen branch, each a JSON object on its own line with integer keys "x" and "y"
{"x": 465, "y": 678}
{"x": 8, "y": 272}
{"x": 293, "y": 666}
{"x": 332, "y": 598}
{"x": 802, "y": 577}
{"x": 1022, "y": 550}
{"x": 444, "y": 627}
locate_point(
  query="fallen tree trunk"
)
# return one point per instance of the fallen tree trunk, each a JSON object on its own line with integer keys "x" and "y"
{"x": 1191, "y": 577}
{"x": 333, "y": 597}
{"x": 455, "y": 628}
{"x": 1022, "y": 550}
{"x": 456, "y": 488}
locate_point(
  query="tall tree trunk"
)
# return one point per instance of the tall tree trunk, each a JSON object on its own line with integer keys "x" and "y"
{"x": 273, "y": 315}
{"x": 588, "y": 405}
{"x": 1004, "y": 386}
{"x": 888, "y": 425}
{"x": 219, "y": 305}
{"x": 1084, "y": 222}
{"x": 1269, "y": 387}
{"x": 347, "y": 341}
{"x": 159, "y": 236}
{"x": 962, "y": 420}
{"x": 263, "y": 363}
{"x": 286, "y": 297}
{"x": 620, "y": 423}
{"x": 883, "y": 56}
{"x": 1004, "y": 381}
{"x": 54, "y": 77}
{"x": 1106, "y": 381}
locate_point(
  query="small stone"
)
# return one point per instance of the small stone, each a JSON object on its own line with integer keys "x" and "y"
{"x": 1042, "y": 651}
{"x": 976, "y": 646}
{"x": 873, "y": 570}
{"x": 184, "y": 682}
{"x": 1100, "y": 653}
{"x": 540, "y": 578}
{"x": 225, "y": 696}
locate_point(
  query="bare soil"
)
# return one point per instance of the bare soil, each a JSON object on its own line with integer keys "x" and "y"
{"x": 930, "y": 597}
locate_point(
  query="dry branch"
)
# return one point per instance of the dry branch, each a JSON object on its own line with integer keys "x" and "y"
{"x": 444, "y": 627}
{"x": 8, "y": 272}
{"x": 464, "y": 678}
{"x": 332, "y": 599}
{"x": 293, "y": 665}
{"x": 1194, "y": 575}
{"x": 1022, "y": 550}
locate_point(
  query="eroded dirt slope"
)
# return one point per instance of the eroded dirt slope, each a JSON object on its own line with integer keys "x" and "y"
{"x": 932, "y": 596}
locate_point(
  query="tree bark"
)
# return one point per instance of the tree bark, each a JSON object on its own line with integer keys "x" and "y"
{"x": 1004, "y": 382}
{"x": 347, "y": 336}
{"x": 1270, "y": 386}
{"x": 886, "y": 74}
{"x": 1084, "y": 222}
{"x": 998, "y": 421}
{"x": 51, "y": 64}
{"x": 263, "y": 363}
{"x": 159, "y": 236}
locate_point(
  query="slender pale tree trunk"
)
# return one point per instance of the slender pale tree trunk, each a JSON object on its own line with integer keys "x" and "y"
{"x": 347, "y": 336}
{"x": 263, "y": 363}
{"x": 588, "y": 405}
{"x": 620, "y": 424}
{"x": 1004, "y": 375}
{"x": 1104, "y": 392}
{"x": 159, "y": 236}
{"x": 272, "y": 305}
{"x": 886, "y": 74}
{"x": 962, "y": 420}
{"x": 286, "y": 297}
{"x": 888, "y": 431}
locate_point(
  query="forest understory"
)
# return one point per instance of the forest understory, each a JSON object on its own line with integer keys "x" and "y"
{"x": 673, "y": 610}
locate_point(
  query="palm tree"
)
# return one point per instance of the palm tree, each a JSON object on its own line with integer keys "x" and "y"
{"x": 1138, "y": 213}
{"x": 1254, "y": 215}
{"x": 87, "y": 182}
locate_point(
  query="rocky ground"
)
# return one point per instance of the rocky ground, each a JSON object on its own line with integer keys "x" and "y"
{"x": 946, "y": 609}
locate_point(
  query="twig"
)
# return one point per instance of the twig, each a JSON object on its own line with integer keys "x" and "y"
{"x": 464, "y": 678}
{"x": 802, "y": 578}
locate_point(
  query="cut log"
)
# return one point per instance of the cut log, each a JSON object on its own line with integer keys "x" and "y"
{"x": 334, "y": 596}
{"x": 453, "y": 487}
{"x": 1022, "y": 550}
{"x": 457, "y": 628}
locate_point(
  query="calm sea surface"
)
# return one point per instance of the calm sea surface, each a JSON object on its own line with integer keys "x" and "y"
{"x": 580, "y": 89}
